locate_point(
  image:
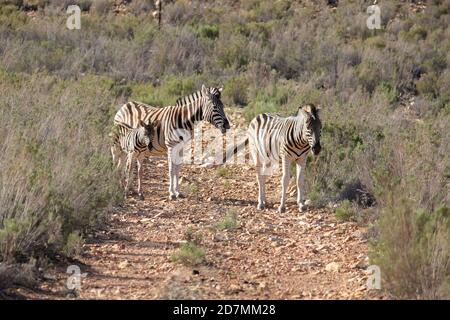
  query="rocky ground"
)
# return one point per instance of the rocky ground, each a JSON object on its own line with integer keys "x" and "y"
{"x": 261, "y": 255}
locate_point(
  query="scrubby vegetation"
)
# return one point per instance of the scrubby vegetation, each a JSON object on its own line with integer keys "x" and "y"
{"x": 56, "y": 174}
{"x": 190, "y": 253}
{"x": 385, "y": 96}
{"x": 228, "y": 222}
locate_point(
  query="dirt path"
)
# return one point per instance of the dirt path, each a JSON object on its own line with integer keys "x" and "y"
{"x": 268, "y": 256}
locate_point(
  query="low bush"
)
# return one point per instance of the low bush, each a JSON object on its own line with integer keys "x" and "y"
{"x": 413, "y": 250}
{"x": 228, "y": 222}
{"x": 346, "y": 211}
{"x": 56, "y": 171}
{"x": 188, "y": 254}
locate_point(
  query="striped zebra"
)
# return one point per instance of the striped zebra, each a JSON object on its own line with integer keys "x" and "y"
{"x": 133, "y": 143}
{"x": 176, "y": 125}
{"x": 272, "y": 138}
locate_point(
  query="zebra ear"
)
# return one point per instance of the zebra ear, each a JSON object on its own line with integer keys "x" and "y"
{"x": 220, "y": 88}
{"x": 307, "y": 108}
{"x": 204, "y": 89}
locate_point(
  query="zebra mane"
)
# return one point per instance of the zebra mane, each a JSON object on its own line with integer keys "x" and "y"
{"x": 183, "y": 101}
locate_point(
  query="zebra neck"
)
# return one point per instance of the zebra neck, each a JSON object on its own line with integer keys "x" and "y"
{"x": 191, "y": 114}
{"x": 299, "y": 132}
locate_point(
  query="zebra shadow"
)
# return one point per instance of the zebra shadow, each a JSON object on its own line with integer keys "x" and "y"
{"x": 233, "y": 202}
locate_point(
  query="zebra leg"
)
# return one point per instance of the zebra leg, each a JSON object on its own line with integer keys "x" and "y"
{"x": 118, "y": 155}
{"x": 113, "y": 154}
{"x": 128, "y": 169}
{"x": 139, "y": 176}
{"x": 121, "y": 159}
{"x": 301, "y": 163}
{"x": 261, "y": 188}
{"x": 284, "y": 184}
{"x": 261, "y": 178}
{"x": 172, "y": 175}
{"x": 176, "y": 169}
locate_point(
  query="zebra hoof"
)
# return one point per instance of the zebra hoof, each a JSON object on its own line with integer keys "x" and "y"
{"x": 302, "y": 208}
{"x": 180, "y": 195}
{"x": 141, "y": 196}
{"x": 281, "y": 209}
{"x": 172, "y": 197}
{"x": 261, "y": 206}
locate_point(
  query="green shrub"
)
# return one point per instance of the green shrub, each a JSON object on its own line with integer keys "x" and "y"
{"x": 74, "y": 244}
{"x": 102, "y": 7}
{"x": 236, "y": 91}
{"x": 264, "y": 103}
{"x": 207, "y": 31}
{"x": 228, "y": 222}
{"x": 413, "y": 251}
{"x": 222, "y": 172}
{"x": 55, "y": 164}
{"x": 191, "y": 235}
{"x": 427, "y": 85}
{"x": 188, "y": 254}
{"x": 345, "y": 211}
{"x": 167, "y": 93}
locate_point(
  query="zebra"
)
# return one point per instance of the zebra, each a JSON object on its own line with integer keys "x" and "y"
{"x": 273, "y": 138}
{"x": 134, "y": 143}
{"x": 176, "y": 125}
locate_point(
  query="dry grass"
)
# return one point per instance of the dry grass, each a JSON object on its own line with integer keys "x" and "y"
{"x": 56, "y": 173}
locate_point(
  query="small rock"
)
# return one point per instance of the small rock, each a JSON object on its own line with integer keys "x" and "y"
{"x": 362, "y": 264}
{"x": 358, "y": 234}
{"x": 47, "y": 276}
{"x": 235, "y": 288}
{"x": 275, "y": 238}
{"x": 218, "y": 237}
{"x": 307, "y": 264}
{"x": 123, "y": 264}
{"x": 332, "y": 267}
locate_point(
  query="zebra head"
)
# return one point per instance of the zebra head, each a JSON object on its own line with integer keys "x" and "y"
{"x": 312, "y": 127}
{"x": 213, "y": 108}
{"x": 146, "y": 132}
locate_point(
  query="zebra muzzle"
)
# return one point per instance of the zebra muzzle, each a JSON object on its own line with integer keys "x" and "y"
{"x": 316, "y": 149}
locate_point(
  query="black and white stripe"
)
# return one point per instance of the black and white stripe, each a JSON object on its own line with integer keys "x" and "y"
{"x": 176, "y": 124}
{"x": 132, "y": 143}
{"x": 273, "y": 139}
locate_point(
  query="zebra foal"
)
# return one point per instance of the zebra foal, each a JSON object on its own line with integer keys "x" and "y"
{"x": 132, "y": 143}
